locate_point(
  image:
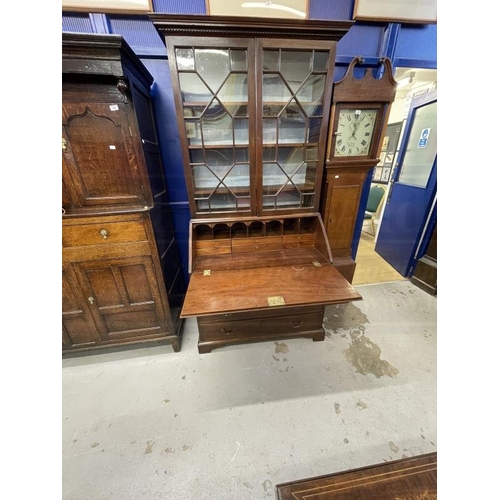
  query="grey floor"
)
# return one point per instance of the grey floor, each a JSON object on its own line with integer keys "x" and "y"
{"x": 149, "y": 423}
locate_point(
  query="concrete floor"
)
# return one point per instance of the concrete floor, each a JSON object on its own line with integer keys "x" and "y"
{"x": 230, "y": 425}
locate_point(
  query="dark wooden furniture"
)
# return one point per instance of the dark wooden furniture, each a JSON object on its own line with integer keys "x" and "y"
{"x": 346, "y": 169}
{"x": 425, "y": 274}
{"x": 261, "y": 278}
{"x": 253, "y": 103}
{"x": 122, "y": 282}
{"x": 413, "y": 478}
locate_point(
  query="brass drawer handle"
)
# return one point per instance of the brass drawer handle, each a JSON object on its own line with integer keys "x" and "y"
{"x": 296, "y": 324}
{"x": 104, "y": 233}
{"x": 227, "y": 331}
{"x": 64, "y": 144}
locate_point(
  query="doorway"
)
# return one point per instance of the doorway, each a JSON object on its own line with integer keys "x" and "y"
{"x": 371, "y": 268}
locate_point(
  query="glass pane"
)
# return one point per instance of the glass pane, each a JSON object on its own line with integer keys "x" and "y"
{"x": 238, "y": 60}
{"x": 292, "y": 125}
{"x": 222, "y": 199}
{"x": 288, "y": 198}
{"x": 237, "y": 109}
{"x": 274, "y": 89}
{"x": 271, "y": 109}
{"x": 193, "y": 131}
{"x": 193, "y": 89}
{"x": 271, "y": 60}
{"x": 269, "y": 154}
{"x": 204, "y": 180}
{"x": 184, "y": 58}
{"x": 241, "y": 131}
{"x": 241, "y": 155}
{"x": 196, "y": 156}
{"x": 314, "y": 130}
{"x": 311, "y": 94}
{"x": 295, "y": 67}
{"x": 217, "y": 125}
{"x": 299, "y": 179}
{"x": 213, "y": 66}
{"x": 312, "y": 153}
{"x": 235, "y": 89}
{"x": 194, "y": 111}
{"x": 219, "y": 157}
{"x": 320, "y": 61}
{"x": 238, "y": 179}
{"x": 290, "y": 159}
{"x": 269, "y": 130}
{"x": 273, "y": 178}
{"x": 421, "y": 148}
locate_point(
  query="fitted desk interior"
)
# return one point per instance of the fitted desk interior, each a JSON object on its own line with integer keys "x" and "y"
{"x": 261, "y": 278}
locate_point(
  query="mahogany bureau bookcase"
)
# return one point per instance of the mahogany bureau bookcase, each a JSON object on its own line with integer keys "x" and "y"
{"x": 253, "y": 102}
{"x": 122, "y": 281}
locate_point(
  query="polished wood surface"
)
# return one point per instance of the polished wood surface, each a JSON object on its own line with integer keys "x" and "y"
{"x": 241, "y": 266}
{"x": 345, "y": 177}
{"x": 413, "y": 478}
{"x": 200, "y": 25}
{"x": 121, "y": 279}
{"x": 242, "y": 289}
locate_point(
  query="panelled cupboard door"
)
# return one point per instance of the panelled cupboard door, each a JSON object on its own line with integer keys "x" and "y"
{"x": 78, "y": 327}
{"x": 123, "y": 297}
{"x": 253, "y": 117}
{"x": 100, "y": 163}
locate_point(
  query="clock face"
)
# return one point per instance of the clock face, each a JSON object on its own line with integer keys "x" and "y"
{"x": 355, "y": 132}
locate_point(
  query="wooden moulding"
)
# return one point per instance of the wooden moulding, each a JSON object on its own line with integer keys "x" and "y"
{"x": 236, "y": 26}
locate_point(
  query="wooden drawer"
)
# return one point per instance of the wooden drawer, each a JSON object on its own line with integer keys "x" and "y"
{"x": 257, "y": 328}
{"x": 103, "y": 233}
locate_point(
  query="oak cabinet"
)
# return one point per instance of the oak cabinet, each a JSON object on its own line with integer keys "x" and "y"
{"x": 122, "y": 282}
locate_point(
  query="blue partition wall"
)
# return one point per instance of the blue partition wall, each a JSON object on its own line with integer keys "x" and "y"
{"x": 405, "y": 45}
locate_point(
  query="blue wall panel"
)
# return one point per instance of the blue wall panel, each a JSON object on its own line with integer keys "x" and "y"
{"x": 417, "y": 42}
{"x": 140, "y": 34}
{"x": 78, "y": 23}
{"x": 168, "y": 136}
{"x": 179, "y": 6}
{"x": 340, "y": 10}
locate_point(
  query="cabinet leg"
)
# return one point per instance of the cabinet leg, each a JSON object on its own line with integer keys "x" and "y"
{"x": 204, "y": 349}
{"x": 318, "y": 337}
{"x": 176, "y": 344}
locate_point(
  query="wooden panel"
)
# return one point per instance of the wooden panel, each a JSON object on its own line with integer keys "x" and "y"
{"x": 413, "y": 478}
{"x": 103, "y": 233}
{"x": 272, "y": 313}
{"x": 79, "y": 328}
{"x": 239, "y": 290}
{"x": 264, "y": 259}
{"x": 100, "y": 155}
{"x": 344, "y": 191}
{"x": 125, "y": 297}
{"x": 248, "y": 329}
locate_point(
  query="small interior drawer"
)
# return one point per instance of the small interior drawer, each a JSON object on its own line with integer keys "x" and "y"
{"x": 103, "y": 233}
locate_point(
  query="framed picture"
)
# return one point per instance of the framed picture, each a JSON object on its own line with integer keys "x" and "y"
{"x": 139, "y": 6}
{"x": 290, "y": 9}
{"x": 401, "y": 11}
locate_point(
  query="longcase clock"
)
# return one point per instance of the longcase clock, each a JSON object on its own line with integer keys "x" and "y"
{"x": 359, "y": 114}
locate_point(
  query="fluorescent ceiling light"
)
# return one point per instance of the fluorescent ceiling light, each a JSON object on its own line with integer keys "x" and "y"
{"x": 271, "y": 5}
{"x": 407, "y": 80}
